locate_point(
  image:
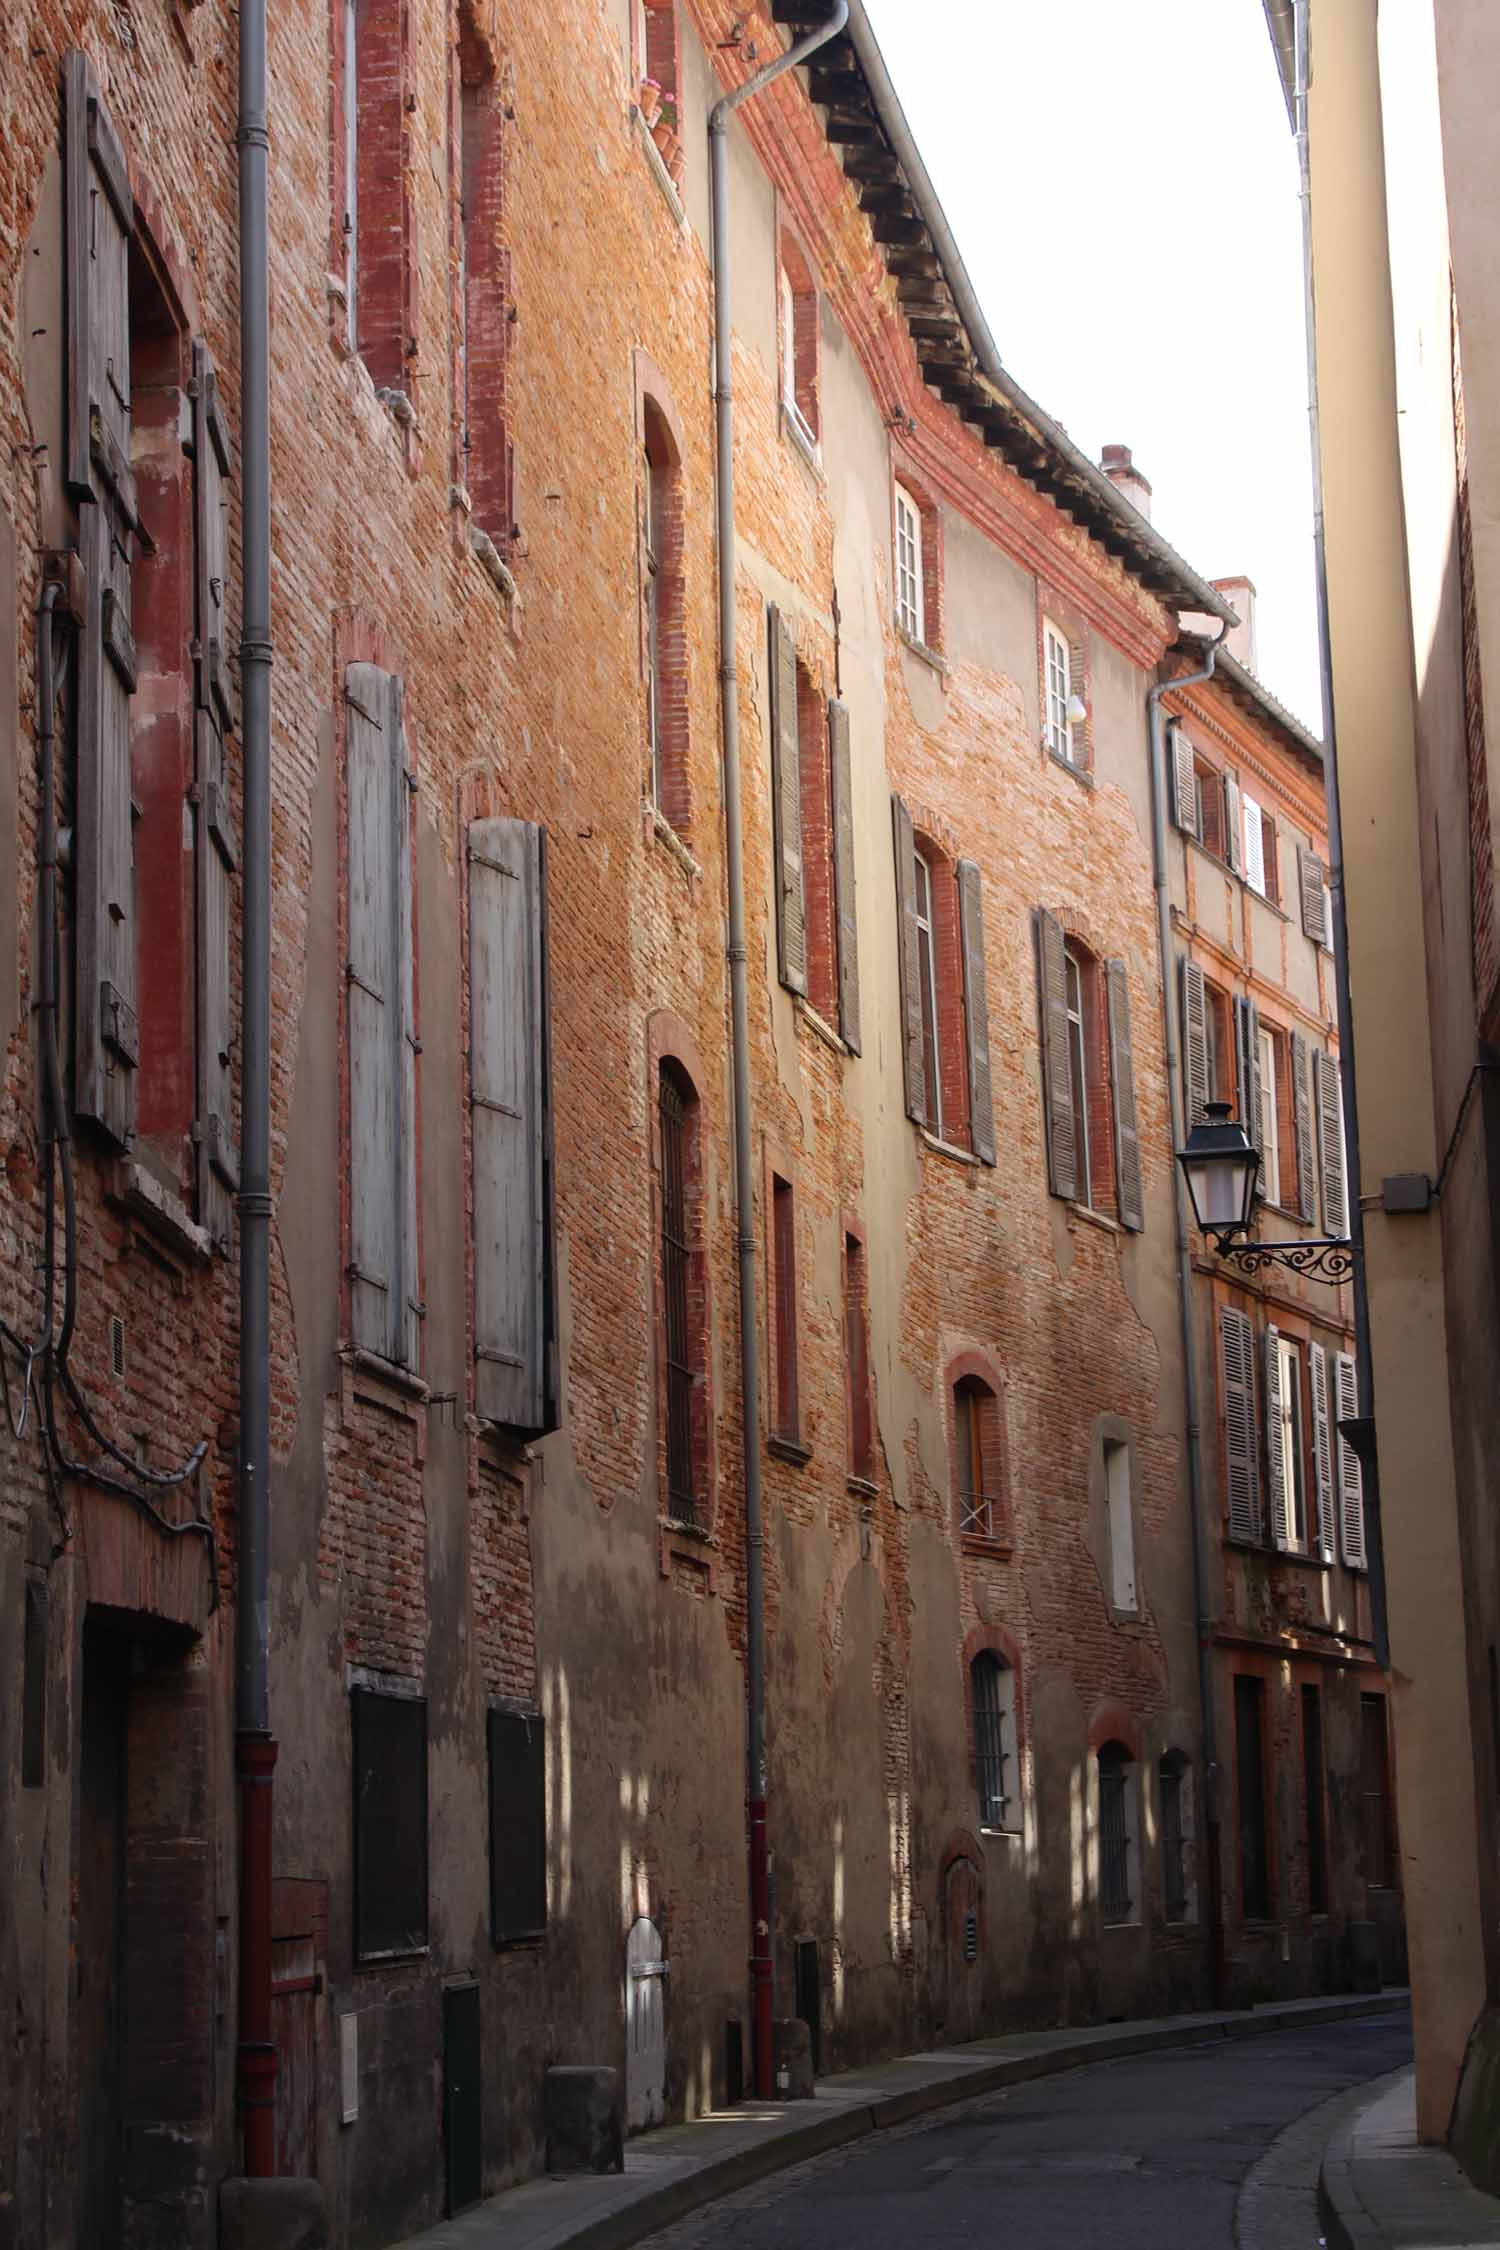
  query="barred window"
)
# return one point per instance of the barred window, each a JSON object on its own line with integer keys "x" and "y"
{"x": 1115, "y": 1900}
{"x": 991, "y": 1688}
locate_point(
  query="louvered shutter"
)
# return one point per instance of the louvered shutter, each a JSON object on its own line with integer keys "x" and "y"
{"x": 841, "y": 793}
{"x": 1197, "y": 1092}
{"x": 1281, "y": 1530}
{"x": 976, "y": 1011}
{"x": 1351, "y": 1476}
{"x": 1331, "y": 1144}
{"x": 1311, "y": 883}
{"x": 1129, "y": 1188}
{"x": 913, "y": 1044}
{"x": 1327, "y": 1534}
{"x": 511, "y": 1110}
{"x": 215, "y": 861}
{"x": 407, "y": 1047}
{"x": 1302, "y": 1122}
{"x": 374, "y": 1018}
{"x": 1247, "y": 1031}
{"x": 1241, "y": 1467}
{"x": 1057, "y": 1068}
{"x": 1184, "y": 783}
{"x": 786, "y": 806}
{"x": 1234, "y": 826}
{"x": 1254, "y": 843}
{"x": 100, "y": 224}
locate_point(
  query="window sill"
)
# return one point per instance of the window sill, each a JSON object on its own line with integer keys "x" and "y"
{"x": 391, "y": 1960}
{"x": 790, "y": 1449}
{"x": 1093, "y": 1218}
{"x": 920, "y": 649}
{"x": 160, "y": 1210}
{"x": 687, "y": 1555}
{"x": 819, "y": 1025}
{"x": 1080, "y": 774}
{"x": 946, "y": 1148}
{"x": 658, "y": 169}
{"x": 519, "y": 1941}
{"x": 794, "y": 428}
{"x": 863, "y": 1488}
{"x": 1001, "y": 1835}
{"x": 993, "y": 1550}
{"x": 663, "y": 833}
{"x": 1124, "y": 1927}
{"x": 369, "y": 1380}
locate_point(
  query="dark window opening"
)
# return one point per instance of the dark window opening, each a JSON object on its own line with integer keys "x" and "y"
{"x": 992, "y": 1727}
{"x": 976, "y": 1431}
{"x": 1250, "y": 1773}
{"x": 1115, "y": 1901}
{"x": 662, "y": 596}
{"x": 1377, "y": 1856}
{"x": 1173, "y": 1777}
{"x": 518, "y": 1826}
{"x": 857, "y": 1358}
{"x": 786, "y": 1414}
{"x": 676, "y": 1263}
{"x": 390, "y": 1824}
{"x": 1312, "y": 1785}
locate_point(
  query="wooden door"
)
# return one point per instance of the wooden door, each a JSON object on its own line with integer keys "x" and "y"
{"x": 298, "y": 1918}
{"x": 962, "y": 1900}
{"x": 100, "y": 1933}
{"x": 645, "y": 2028}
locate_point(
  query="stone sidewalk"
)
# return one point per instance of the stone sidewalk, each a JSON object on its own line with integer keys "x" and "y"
{"x": 674, "y": 2171}
{"x": 1379, "y": 2189}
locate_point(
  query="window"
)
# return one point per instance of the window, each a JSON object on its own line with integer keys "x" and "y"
{"x": 1121, "y": 1524}
{"x": 857, "y": 1359}
{"x": 1377, "y": 1855}
{"x": 944, "y": 1007}
{"x": 927, "y": 973}
{"x": 978, "y": 1459}
{"x": 658, "y": 57}
{"x": 1260, "y": 857}
{"x": 1270, "y": 1126}
{"x": 786, "y": 1412}
{"x": 992, "y": 1695}
{"x": 1078, "y": 1072}
{"x": 1330, "y": 1108}
{"x": 371, "y": 206}
{"x": 1351, "y": 1476}
{"x": 1116, "y": 1838}
{"x": 817, "y": 937}
{"x": 1285, "y": 1442}
{"x": 390, "y": 1823}
{"x": 1088, "y": 1076}
{"x": 1240, "y": 1449}
{"x": 1250, "y": 1783}
{"x": 1312, "y": 1801}
{"x": 518, "y": 1825}
{"x": 1312, "y": 889}
{"x": 384, "y": 1282}
{"x": 483, "y": 311}
{"x": 1207, "y": 1042}
{"x": 664, "y": 649}
{"x": 677, "y": 1120}
{"x": 799, "y": 325}
{"x": 1057, "y": 662}
{"x": 1174, "y": 1780}
{"x": 1208, "y": 790}
{"x": 910, "y": 602}
{"x": 348, "y": 152}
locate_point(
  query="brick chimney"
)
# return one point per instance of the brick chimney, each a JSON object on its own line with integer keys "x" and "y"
{"x": 1240, "y": 641}
{"x": 1117, "y": 465}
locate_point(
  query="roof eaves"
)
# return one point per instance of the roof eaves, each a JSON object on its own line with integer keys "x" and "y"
{"x": 1281, "y": 23}
{"x": 1251, "y": 690}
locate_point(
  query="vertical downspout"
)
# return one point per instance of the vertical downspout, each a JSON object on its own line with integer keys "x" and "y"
{"x": 1212, "y": 1809}
{"x": 254, "y": 1744}
{"x": 744, "y": 1175}
{"x": 1363, "y": 1357}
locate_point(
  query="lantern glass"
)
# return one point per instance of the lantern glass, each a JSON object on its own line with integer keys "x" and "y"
{"x": 1220, "y": 1167}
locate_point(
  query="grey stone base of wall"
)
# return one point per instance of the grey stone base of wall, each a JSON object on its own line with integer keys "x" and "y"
{"x": 1475, "y": 2139}
{"x": 581, "y": 2114}
{"x": 272, "y": 2215}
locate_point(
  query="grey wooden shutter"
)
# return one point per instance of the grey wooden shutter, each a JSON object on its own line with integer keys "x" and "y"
{"x": 976, "y": 1011}
{"x": 407, "y": 1044}
{"x": 1184, "y": 783}
{"x": 1196, "y": 1090}
{"x": 913, "y": 1043}
{"x": 374, "y": 1014}
{"x": 1351, "y": 1476}
{"x": 1327, "y": 1533}
{"x": 1234, "y": 826}
{"x": 1303, "y": 1126}
{"x": 1281, "y": 1530}
{"x": 215, "y": 862}
{"x": 100, "y": 224}
{"x": 1331, "y": 1144}
{"x": 1241, "y": 1468}
{"x": 1128, "y": 1186}
{"x": 841, "y": 793}
{"x": 1247, "y": 1029}
{"x": 1057, "y": 1068}
{"x": 786, "y": 805}
{"x": 1311, "y": 877}
{"x": 511, "y": 1112}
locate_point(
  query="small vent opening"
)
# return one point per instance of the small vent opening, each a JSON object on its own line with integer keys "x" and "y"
{"x": 116, "y": 1345}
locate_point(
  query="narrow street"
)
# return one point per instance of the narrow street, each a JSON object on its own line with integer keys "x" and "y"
{"x": 1150, "y": 2153}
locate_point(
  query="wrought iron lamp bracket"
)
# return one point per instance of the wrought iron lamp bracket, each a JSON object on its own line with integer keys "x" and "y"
{"x": 1328, "y": 1258}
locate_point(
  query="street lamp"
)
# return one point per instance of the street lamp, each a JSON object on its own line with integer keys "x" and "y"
{"x": 1220, "y": 1166}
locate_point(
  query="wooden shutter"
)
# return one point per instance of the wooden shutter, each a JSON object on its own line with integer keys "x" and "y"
{"x": 1281, "y": 1530}
{"x": 786, "y": 806}
{"x": 409, "y": 1304}
{"x": 1351, "y": 1476}
{"x": 518, "y": 1825}
{"x": 100, "y": 225}
{"x": 913, "y": 1043}
{"x": 1184, "y": 783}
{"x": 510, "y": 1104}
{"x": 1241, "y": 1467}
{"x": 1311, "y": 878}
{"x": 976, "y": 1011}
{"x": 1132, "y": 1202}
{"x": 390, "y": 1824}
{"x": 1253, "y": 843}
{"x": 1331, "y": 1144}
{"x": 1247, "y": 1030}
{"x": 1303, "y": 1127}
{"x": 1327, "y": 1534}
{"x": 1234, "y": 826}
{"x": 841, "y": 793}
{"x": 215, "y": 862}
{"x": 374, "y": 1018}
{"x": 1057, "y": 1068}
{"x": 1197, "y": 1092}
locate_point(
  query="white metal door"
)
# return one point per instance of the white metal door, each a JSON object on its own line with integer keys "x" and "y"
{"x": 645, "y": 2028}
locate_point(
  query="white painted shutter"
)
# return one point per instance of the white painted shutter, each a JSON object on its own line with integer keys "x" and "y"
{"x": 913, "y": 1043}
{"x": 1128, "y": 1184}
{"x": 1327, "y": 1531}
{"x": 841, "y": 794}
{"x": 786, "y": 805}
{"x": 1184, "y": 783}
{"x": 215, "y": 862}
{"x": 1331, "y": 1145}
{"x": 1253, "y": 830}
{"x": 1241, "y": 1467}
{"x": 511, "y": 1110}
{"x": 372, "y": 772}
{"x": 1307, "y": 1194}
{"x": 1197, "y": 1093}
{"x": 1234, "y": 826}
{"x": 1057, "y": 1068}
{"x": 1351, "y": 1476}
{"x": 1281, "y": 1530}
{"x": 1313, "y": 889}
{"x": 976, "y": 1011}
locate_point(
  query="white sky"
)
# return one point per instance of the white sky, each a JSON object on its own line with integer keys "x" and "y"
{"x": 1122, "y": 183}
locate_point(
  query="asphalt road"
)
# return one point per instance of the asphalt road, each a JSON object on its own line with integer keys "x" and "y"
{"x": 1152, "y": 2153}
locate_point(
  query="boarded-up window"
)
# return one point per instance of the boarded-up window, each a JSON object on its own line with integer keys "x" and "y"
{"x": 384, "y": 1294}
{"x": 483, "y": 307}
{"x": 518, "y": 1826}
{"x": 1241, "y": 1454}
{"x": 390, "y": 1823}
{"x": 515, "y": 1342}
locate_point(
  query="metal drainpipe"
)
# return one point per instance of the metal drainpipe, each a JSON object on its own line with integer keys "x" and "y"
{"x": 1363, "y": 1356}
{"x": 1213, "y": 1855}
{"x": 255, "y": 1745}
{"x": 744, "y": 1177}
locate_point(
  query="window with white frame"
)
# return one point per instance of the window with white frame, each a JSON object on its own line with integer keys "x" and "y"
{"x": 927, "y": 979}
{"x": 1078, "y": 1061}
{"x": 1270, "y": 1135}
{"x": 1057, "y": 662}
{"x": 1254, "y": 824}
{"x": 1289, "y": 1452}
{"x": 909, "y": 605}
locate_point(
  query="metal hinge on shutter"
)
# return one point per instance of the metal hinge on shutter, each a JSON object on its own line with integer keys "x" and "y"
{"x": 119, "y": 1025}
{"x": 213, "y": 1136}
{"x": 353, "y": 976}
{"x": 119, "y": 641}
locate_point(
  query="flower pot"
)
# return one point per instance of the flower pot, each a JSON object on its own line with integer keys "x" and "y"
{"x": 649, "y": 99}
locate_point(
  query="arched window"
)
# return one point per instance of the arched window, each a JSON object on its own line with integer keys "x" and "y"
{"x": 662, "y": 595}
{"x": 1117, "y": 1852}
{"x": 996, "y": 1776}
{"x": 978, "y": 1459}
{"x": 682, "y": 1324}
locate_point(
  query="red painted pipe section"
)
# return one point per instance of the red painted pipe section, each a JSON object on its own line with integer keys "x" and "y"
{"x": 256, "y": 1760}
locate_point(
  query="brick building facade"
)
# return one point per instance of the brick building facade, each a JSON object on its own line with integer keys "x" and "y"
{"x": 508, "y": 1587}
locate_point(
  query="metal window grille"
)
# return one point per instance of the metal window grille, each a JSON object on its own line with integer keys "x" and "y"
{"x": 1114, "y": 1838}
{"x": 990, "y": 1756}
{"x": 1173, "y": 1854}
{"x": 681, "y": 1494}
